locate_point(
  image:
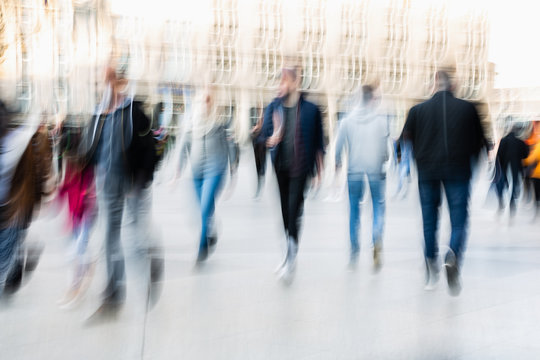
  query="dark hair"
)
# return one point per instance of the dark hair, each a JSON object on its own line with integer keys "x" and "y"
{"x": 367, "y": 93}
{"x": 443, "y": 80}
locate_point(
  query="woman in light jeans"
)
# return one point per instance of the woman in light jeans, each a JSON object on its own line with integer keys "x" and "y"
{"x": 211, "y": 149}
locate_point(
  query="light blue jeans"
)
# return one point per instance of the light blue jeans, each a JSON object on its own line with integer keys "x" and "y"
{"x": 377, "y": 187}
{"x": 207, "y": 189}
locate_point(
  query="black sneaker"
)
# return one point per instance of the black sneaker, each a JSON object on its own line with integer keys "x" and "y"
{"x": 432, "y": 274}
{"x": 33, "y": 254}
{"x": 14, "y": 279}
{"x": 203, "y": 255}
{"x": 452, "y": 273}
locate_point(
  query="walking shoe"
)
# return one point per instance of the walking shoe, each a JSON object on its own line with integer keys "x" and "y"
{"x": 33, "y": 254}
{"x": 452, "y": 273}
{"x": 155, "y": 286}
{"x": 202, "y": 255}
{"x": 432, "y": 274}
{"x": 353, "y": 260}
{"x": 14, "y": 279}
{"x": 377, "y": 257}
{"x": 287, "y": 272}
{"x": 282, "y": 264}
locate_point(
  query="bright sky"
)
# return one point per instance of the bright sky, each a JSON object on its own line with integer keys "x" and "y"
{"x": 514, "y": 42}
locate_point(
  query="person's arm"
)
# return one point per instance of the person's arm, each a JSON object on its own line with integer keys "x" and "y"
{"x": 233, "y": 150}
{"x": 340, "y": 142}
{"x": 267, "y": 124}
{"x": 409, "y": 129}
{"x": 184, "y": 147}
{"x": 533, "y": 157}
{"x": 319, "y": 142}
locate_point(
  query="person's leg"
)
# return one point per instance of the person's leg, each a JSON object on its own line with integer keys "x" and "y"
{"x": 430, "y": 200}
{"x": 516, "y": 187}
{"x": 259, "y": 150}
{"x": 9, "y": 257}
{"x": 356, "y": 192}
{"x": 210, "y": 189}
{"x": 500, "y": 187}
{"x": 457, "y": 195}
{"x": 377, "y": 185}
{"x": 296, "y": 206}
{"x": 283, "y": 181}
{"x": 114, "y": 207}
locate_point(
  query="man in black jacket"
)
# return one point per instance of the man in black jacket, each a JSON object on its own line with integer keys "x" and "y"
{"x": 292, "y": 129}
{"x": 446, "y": 135}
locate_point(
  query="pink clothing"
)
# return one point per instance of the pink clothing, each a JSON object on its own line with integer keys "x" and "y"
{"x": 81, "y": 193}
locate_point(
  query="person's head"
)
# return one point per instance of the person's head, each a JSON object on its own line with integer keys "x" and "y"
{"x": 116, "y": 77}
{"x": 442, "y": 81}
{"x": 289, "y": 82}
{"x": 367, "y": 94}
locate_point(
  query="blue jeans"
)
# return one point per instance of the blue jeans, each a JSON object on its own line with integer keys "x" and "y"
{"x": 457, "y": 196}
{"x": 377, "y": 187}
{"x": 207, "y": 189}
{"x": 137, "y": 202}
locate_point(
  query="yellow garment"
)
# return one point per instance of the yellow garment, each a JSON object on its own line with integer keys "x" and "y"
{"x": 534, "y": 157}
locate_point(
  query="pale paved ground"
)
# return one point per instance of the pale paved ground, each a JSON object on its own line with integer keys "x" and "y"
{"x": 236, "y": 309}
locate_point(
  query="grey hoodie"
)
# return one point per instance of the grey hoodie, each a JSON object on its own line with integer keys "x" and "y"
{"x": 364, "y": 133}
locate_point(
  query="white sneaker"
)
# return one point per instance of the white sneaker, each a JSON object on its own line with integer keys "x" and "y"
{"x": 432, "y": 275}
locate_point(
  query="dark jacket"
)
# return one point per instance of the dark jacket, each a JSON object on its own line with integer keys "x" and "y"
{"x": 311, "y": 131}
{"x": 122, "y": 144}
{"x": 446, "y": 136}
{"x": 511, "y": 152}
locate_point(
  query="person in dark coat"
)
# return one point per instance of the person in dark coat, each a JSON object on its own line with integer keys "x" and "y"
{"x": 510, "y": 155}
{"x": 446, "y": 136}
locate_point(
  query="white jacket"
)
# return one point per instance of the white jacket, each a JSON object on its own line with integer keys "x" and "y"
{"x": 364, "y": 133}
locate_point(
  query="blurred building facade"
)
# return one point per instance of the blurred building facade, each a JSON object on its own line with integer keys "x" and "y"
{"x": 53, "y": 51}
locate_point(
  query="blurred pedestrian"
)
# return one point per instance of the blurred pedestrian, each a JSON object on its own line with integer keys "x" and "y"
{"x": 510, "y": 154}
{"x": 124, "y": 151}
{"x": 259, "y": 151}
{"x": 211, "y": 149}
{"x": 25, "y": 167}
{"x": 292, "y": 129}
{"x": 528, "y": 183}
{"x": 79, "y": 190}
{"x": 446, "y": 135}
{"x": 364, "y": 135}
{"x": 533, "y": 162}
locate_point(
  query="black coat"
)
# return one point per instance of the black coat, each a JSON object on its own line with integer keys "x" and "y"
{"x": 510, "y": 153}
{"x": 311, "y": 131}
{"x": 446, "y": 135}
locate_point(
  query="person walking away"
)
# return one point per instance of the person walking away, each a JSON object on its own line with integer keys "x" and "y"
{"x": 510, "y": 155}
{"x": 364, "y": 135}
{"x": 446, "y": 136}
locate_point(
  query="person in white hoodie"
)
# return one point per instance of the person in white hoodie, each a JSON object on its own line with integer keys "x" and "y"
{"x": 363, "y": 133}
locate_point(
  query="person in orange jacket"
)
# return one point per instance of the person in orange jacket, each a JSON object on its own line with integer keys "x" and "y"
{"x": 533, "y": 163}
